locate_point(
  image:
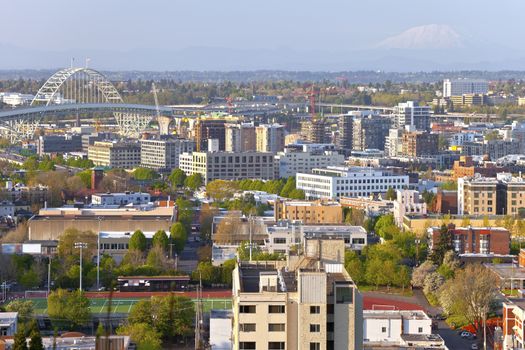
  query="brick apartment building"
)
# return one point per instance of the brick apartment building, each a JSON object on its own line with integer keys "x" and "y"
{"x": 474, "y": 240}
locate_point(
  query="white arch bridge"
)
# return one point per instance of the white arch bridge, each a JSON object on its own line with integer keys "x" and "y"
{"x": 77, "y": 91}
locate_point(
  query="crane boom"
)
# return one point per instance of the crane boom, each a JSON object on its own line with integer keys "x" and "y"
{"x": 153, "y": 87}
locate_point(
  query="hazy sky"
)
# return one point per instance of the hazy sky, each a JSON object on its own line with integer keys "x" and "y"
{"x": 287, "y": 34}
{"x": 296, "y": 24}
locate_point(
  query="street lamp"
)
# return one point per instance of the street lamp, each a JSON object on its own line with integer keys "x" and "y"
{"x": 81, "y": 245}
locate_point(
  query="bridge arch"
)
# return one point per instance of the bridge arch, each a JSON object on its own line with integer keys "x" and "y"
{"x": 78, "y": 85}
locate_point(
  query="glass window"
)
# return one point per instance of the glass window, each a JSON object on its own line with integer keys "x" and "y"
{"x": 247, "y": 327}
{"x": 315, "y": 309}
{"x": 276, "y": 345}
{"x": 315, "y": 346}
{"x": 276, "y": 327}
{"x": 315, "y": 328}
{"x": 247, "y": 345}
{"x": 276, "y": 309}
{"x": 247, "y": 309}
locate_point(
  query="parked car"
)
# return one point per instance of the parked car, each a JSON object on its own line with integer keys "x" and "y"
{"x": 474, "y": 346}
{"x": 465, "y": 335}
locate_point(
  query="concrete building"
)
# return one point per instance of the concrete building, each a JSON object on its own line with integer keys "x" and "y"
{"x": 419, "y": 143}
{"x": 240, "y": 137}
{"x": 229, "y": 165}
{"x": 286, "y": 236}
{"x": 121, "y": 199}
{"x": 394, "y": 142}
{"x": 89, "y": 139}
{"x": 270, "y": 138}
{"x": 412, "y": 114}
{"x": 50, "y": 223}
{"x": 115, "y": 154}
{"x": 337, "y": 182}
{"x": 53, "y": 144}
{"x": 408, "y": 202}
{"x": 369, "y": 132}
{"x": 15, "y": 99}
{"x": 458, "y": 87}
{"x": 162, "y": 154}
{"x": 205, "y": 129}
{"x": 500, "y": 195}
{"x": 308, "y": 212}
{"x": 301, "y": 158}
{"x": 308, "y": 302}
{"x": 494, "y": 149}
{"x": 8, "y": 323}
{"x": 397, "y": 329}
{"x": 346, "y": 132}
{"x": 474, "y": 240}
{"x": 468, "y": 100}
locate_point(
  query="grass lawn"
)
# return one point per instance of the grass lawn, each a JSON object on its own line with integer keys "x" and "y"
{"x": 100, "y": 306}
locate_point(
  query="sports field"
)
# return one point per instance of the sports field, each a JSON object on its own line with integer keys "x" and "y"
{"x": 123, "y": 306}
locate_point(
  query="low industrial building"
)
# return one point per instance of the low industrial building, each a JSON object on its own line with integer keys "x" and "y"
{"x": 8, "y": 323}
{"x": 50, "y": 223}
{"x": 121, "y": 199}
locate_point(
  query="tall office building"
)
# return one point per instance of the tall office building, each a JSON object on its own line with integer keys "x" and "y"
{"x": 393, "y": 142}
{"x": 307, "y": 302}
{"x": 229, "y": 165}
{"x": 458, "y": 87}
{"x": 270, "y": 138}
{"x": 206, "y": 129}
{"x": 162, "y": 154}
{"x": 370, "y": 132}
{"x": 240, "y": 137}
{"x": 346, "y": 127}
{"x": 412, "y": 114}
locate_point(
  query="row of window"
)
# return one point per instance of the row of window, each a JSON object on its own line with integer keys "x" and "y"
{"x": 272, "y": 327}
{"x": 274, "y": 345}
{"x": 272, "y": 309}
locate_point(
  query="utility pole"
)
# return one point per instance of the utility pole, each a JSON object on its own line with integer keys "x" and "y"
{"x": 49, "y": 275}
{"x": 250, "y": 231}
{"x": 98, "y": 256}
{"x": 198, "y": 317}
{"x": 80, "y": 245}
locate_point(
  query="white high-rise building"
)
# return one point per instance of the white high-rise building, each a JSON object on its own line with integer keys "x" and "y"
{"x": 458, "y": 87}
{"x": 411, "y": 114}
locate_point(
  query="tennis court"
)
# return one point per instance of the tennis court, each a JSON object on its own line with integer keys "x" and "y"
{"x": 123, "y": 306}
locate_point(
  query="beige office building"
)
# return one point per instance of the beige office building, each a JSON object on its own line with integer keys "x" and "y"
{"x": 316, "y": 212}
{"x": 115, "y": 154}
{"x": 308, "y": 302}
{"x": 240, "y": 137}
{"x": 229, "y": 165}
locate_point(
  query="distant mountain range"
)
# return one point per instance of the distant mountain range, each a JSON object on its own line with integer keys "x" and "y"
{"x": 424, "y": 48}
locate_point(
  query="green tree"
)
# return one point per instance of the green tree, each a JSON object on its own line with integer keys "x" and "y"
{"x": 24, "y": 308}
{"x": 85, "y": 176}
{"x": 391, "y": 194}
{"x": 443, "y": 245}
{"x": 173, "y": 315}
{"x": 288, "y": 187}
{"x": 66, "y": 309}
{"x": 179, "y": 236}
{"x": 66, "y": 245}
{"x": 160, "y": 238}
{"x": 194, "y": 182}
{"x": 145, "y": 174}
{"x": 142, "y": 334}
{"x": 221, "y": 189}
{"x": 138, "y": 241}
{"x": 177, "y": 177}
{"x": 157, "y": 258}
{"x": 207, "y": 272}
{"x": 35, "y": 341}
{"x": 20, "y": 341}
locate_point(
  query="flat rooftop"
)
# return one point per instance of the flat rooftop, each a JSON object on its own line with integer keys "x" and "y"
{"x": 508, "y": 271}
